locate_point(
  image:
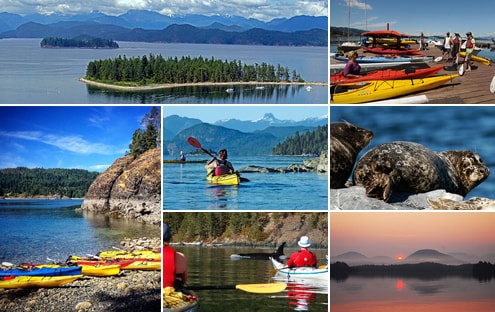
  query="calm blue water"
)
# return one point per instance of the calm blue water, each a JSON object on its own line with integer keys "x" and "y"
{"x": 32, "y": 230}
{"x": 411, "y": 294}
{"x": 185, "y": 187}
{"x": 438, "y": 128}
{"x": 32, "y": 75}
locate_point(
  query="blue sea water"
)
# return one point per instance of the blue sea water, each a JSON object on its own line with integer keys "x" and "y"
{"x": 34, "y": 230}
{"x": 438, "y": 128}
{"x": 185, "y": 188}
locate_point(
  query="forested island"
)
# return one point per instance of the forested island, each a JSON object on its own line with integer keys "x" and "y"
{"x": 155, "y": 69}
{"x": 309, "y": 143}
{"x": 482, "y": 270}
{"x": 23, "y": 182}
{"x": 79, "y": 42}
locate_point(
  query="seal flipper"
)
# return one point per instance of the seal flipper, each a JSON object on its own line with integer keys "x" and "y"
{"x": 380, "y": 189}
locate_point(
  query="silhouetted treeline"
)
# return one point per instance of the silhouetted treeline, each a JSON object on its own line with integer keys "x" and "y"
{"x": 78, "y": 43}
{"x": 157, "y": 69}
{"x": 484, "y": 271}
{"x": 311, "y": 142}
{"x": 21, "y": 181}
{"x": 426, "y": 270}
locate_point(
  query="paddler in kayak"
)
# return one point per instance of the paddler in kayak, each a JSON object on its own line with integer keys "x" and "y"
{"x": 174, "y": 263}
{"x": 303, "y": 257}
{"x": 352, "y": 68}
{"x": 220, "y": 166}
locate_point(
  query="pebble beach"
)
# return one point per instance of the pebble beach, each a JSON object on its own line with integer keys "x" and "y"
{"x": 129, "y": 291}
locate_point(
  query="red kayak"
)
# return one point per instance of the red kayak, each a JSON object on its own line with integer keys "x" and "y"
{"x": 379, "y": 50}
{"x": 386, "y": 74}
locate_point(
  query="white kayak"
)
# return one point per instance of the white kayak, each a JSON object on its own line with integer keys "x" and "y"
{"x": 300, "y": 272}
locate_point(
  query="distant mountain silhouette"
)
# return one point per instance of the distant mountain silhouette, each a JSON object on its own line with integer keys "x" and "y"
{"x": 431, "y": 255}
{"x": 355, "y": 258}
{"x": 150, "y": 20}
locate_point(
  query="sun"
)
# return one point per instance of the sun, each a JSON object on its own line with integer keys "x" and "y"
{"x": 399, "y": 257}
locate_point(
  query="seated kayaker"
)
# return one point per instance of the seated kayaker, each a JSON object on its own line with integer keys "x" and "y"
{"x": 220, "y": 166}
{"x": 352, "y": 68}
{"x": 303, "y": 257}
{"x": 174, "y": 263}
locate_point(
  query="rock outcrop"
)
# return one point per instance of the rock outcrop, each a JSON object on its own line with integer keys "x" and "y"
{"x": 316, "y": 164}
{"x": 130, "y": 188}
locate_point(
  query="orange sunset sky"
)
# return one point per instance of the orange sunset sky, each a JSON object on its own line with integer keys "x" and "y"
{"x": 402, "y": 233}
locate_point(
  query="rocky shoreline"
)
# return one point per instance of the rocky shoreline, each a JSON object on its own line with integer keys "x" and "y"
{"x": 192, "y": 84}
{"x": 129, "y": 291}
{"x": 315, "y": 164}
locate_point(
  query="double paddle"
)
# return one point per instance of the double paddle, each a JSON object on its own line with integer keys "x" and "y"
{"x": 195, "y": 143}
{"x": 268, "y": 288}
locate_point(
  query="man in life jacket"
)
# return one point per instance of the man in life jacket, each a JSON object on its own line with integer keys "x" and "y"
{"x": 303, "y": 257}
{"x": 220, "y": 165}
{"x": 174, "y": 263}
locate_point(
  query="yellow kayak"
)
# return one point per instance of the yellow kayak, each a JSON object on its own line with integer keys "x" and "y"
{"x": 37, "y": 281}
{"x": 480, "y": 59}
{"x": 385, "y": 89}
{"x": 224, "y": 179}
{"x": 153, "y": 265}
{"x": 122, "y": 254}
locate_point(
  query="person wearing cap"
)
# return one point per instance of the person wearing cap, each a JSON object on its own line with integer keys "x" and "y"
{"x": 456, "y": 48}
{"x": 470, "y": 45}
{"x": 174, "y": 263}
{"x": 182, "y": 157}
{"x": 303, "y": 257}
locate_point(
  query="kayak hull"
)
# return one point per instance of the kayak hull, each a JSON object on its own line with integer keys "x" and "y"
{"x": 94, "y": 269}
{"x": 122, "y": 254}
{"x": 478, "y": 59}
{"x": 300, "y": 272}
{"x": 45, "y": 271}
{"x": 387, "y": 89}
{"x": 37, "y": 281}
{"x": 387, "y": 74}
{"x": 224, "y": 179}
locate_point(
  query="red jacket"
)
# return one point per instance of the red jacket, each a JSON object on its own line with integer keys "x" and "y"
{"x": 168, "y": 266}
{"x": 301, "y": 258}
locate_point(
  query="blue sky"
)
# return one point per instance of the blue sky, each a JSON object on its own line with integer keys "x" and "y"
{"x": 413, "y": 17}
{"x": 79, "y": 137}
{"x": 260, "y": 9}
{"x": 211, "y": 114}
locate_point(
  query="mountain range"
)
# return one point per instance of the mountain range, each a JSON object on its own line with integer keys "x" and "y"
{"x": 256, "y": 137}
{"x": 353, "y": 258}
{"x": 138, "y": 25}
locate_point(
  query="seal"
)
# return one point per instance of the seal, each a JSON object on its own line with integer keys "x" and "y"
{"x": 475, "y": 203}
{"x": 346, "y": 141}
{"x": 413, "y": 168}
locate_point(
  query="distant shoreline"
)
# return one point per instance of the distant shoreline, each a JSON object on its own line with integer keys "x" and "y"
{"x": 191, "y": 84}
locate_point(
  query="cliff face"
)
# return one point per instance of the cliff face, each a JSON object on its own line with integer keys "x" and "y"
{"x": 129, "y": 188}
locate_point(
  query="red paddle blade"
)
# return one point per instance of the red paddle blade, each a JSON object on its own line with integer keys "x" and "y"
{"x": 193, "y": 142}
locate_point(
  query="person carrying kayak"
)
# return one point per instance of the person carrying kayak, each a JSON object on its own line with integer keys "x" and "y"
{"x": 220, "y": 166}
{"x": 303, "y": 257}
{"x": 174, "y": 263}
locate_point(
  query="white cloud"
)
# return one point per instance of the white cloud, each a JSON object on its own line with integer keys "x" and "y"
{"x": 264, "y": 9}
{"x": 73, "y": 144}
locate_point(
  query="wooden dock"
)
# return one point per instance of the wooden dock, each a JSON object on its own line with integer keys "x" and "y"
{"x": 471, "y": 88}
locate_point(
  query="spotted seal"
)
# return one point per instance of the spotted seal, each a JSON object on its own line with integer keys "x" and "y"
{"x": 413, "y": 168}
{"x": 346, "y": 141}
{"x": 475, "y": 203}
